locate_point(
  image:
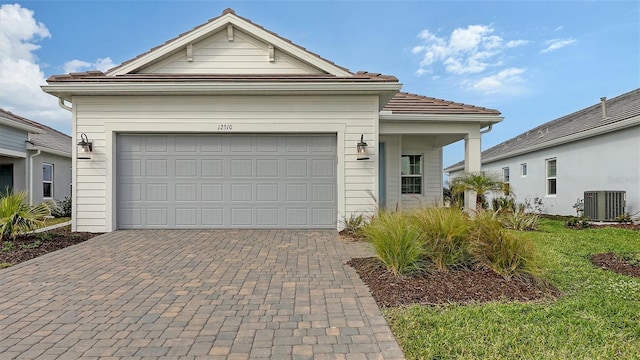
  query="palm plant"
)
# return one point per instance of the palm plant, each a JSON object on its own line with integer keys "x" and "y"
{"x": 482, "y": 184}
{"x": 17, "y": 216}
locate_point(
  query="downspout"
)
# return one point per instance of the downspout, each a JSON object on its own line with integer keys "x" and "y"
{"x": 31, "y": 176}
{"x": 63, "y": 105}
{"x": 486, "y": 130}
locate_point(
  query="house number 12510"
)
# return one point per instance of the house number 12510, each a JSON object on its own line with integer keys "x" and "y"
{"x": 225, "y": 127}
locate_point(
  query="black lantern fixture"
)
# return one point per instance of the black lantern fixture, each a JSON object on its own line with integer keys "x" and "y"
{"x": 362, "y": 149}
{"x": 85, "y": 147}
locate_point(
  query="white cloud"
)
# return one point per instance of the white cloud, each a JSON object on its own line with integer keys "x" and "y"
{"x": 470, "y": 50}
{"x": 505, "y": 80}
{"x": 516, "y": 43}
{"x": 20, "y": 75}
{"x": 555, "y": 44}
{"x": 80, "y": 65}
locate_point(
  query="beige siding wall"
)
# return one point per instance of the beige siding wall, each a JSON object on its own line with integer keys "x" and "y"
{"x": 217, "y": 55}
{"x": 432, "y": 172}
{"x": 101, "y": 118}
{"x": 393, "y": 148}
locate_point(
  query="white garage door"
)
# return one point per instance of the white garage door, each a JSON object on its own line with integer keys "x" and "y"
{"x": 226, "y": 181}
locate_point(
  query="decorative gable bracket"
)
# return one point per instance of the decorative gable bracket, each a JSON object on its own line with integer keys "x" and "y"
{"x": 190, "y": 53}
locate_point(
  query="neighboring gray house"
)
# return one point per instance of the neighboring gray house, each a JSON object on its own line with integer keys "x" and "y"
{"x": 594, "y": 149}
{"x": 34, "y": 158}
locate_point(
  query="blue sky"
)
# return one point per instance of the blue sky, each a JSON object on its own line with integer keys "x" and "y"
{"x": 533, "y": 60}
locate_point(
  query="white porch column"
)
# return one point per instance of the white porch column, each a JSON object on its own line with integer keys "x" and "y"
{"x": 472, "y": 164}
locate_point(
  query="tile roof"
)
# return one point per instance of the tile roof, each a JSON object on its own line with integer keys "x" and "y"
{"x": 619, "y": 108}
{"x": 49, "y": 138}
{"x": 406, "y": 103}
{"x": 98, "y": 76}
{"x": 228, "y": 11}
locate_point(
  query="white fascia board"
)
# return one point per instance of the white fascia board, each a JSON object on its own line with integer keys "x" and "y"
{"x": 20, "y": 126}
{"x": 218, "y": 88}
{"x": 216, "y": 25}
{"x": 12, "y": 153}
{"x": 477, "y": 118}
{"x": 620, "y": 125}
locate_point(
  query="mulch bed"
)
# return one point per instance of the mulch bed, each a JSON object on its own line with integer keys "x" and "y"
{"x": 617, "y": 263}
{"x": 462, "y": 286}
{"x": 30, "y": 246}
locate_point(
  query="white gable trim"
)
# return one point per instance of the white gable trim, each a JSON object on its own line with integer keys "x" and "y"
{"x": 219, "y": 24}
{"x": 20, "y": 126}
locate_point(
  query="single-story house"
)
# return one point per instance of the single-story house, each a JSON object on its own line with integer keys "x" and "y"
{"x": 34, "y": 158}
{"x": 594, "y": 150}
{"x": 230, "y": 125}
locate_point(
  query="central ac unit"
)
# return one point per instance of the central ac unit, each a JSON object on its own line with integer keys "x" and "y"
{"x": 604, "y": 205}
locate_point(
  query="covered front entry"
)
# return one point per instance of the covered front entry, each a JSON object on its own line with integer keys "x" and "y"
{"x": 226, "y": 181}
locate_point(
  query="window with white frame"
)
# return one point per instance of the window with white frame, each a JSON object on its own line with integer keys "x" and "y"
{"x": 47, "y": 181}
{"x": 411, "y": 174}
{"x": 523, "y": 169}
{"x": 551, "y": 176}
{"x": 505, "y": 174}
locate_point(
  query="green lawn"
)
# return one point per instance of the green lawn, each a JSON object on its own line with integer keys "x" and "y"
{"x": 598, "y": 316}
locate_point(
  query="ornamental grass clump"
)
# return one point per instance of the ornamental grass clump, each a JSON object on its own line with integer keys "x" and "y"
{"x": 396, "y": 242}
{"x": 16, "y": 216}
{"x": 444, "y": 235}
{"x": 501, "y": 250}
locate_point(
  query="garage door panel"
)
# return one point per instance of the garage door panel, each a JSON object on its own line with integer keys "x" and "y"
{"x": 212, "y": 192}
{"x": 212, "y": 167}
{"x": 212, "y": 216}
{"x": 267, "y": 217}
{"x": 186, "y": 192}
{"x": 226, "y": 181}
{"x": 267, "y": 192}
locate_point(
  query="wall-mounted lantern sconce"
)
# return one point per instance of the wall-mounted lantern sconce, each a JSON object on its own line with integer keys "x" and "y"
{"x": 85, "y": 147}
{"x": 362, "y": 149}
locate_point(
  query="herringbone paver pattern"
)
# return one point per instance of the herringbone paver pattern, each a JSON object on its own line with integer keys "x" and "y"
{"x": 172, "y": 294}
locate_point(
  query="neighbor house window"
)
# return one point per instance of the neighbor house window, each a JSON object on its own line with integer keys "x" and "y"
{"x": 47, "y": 181}
{"x": 505, "y": 174}
{"x": 551, "y": 177}
{"x": 523, "y": 169}
{"x": 411, "y": 173}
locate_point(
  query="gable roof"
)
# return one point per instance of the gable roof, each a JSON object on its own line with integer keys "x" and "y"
{"x": 12, "y": 120}
{"x": 228, "y": 17}
{"x": 41, "y": 137}
{"x": 407, "y": 103}
{"x": 620, "y": 112}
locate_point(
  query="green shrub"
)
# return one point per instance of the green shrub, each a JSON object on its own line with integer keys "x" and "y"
{"x": 500, "y": 250}
{"x": 61, "y": 208}
{"x": 353, "y": 224}
{"x": 444, "y": 233}
{"x": 578, "y": 223}
{"x": 503, "y": 204}
{"x": 16, "y": 216}
{"x": 396, "y": 242}
{"x": 520, "y": 220}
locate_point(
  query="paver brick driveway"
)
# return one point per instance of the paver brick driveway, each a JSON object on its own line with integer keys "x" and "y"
{"x": 278, "y": 294}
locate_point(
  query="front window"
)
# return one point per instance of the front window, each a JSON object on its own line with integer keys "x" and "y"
{"x": 505, "y": 174}
{"x": 411, "y": 171}
{"x": 551, "y": 177}
{"x": 523, "y": 169}
{"x": 47, "y": 181}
